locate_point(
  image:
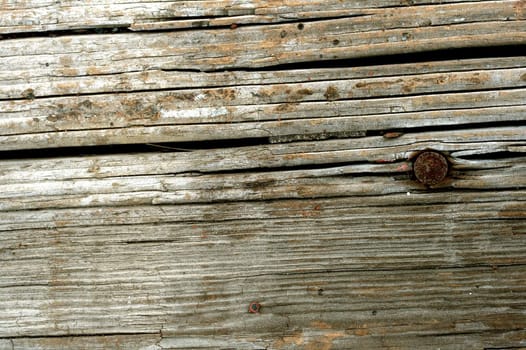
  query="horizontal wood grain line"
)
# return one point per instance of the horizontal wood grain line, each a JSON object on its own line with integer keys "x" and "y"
{"x": 243, "y": 212}
{"x": 85, "y": 336}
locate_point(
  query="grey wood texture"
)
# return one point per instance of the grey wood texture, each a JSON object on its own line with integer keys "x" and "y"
{"x": 386, "y": 264}
{"x": 262, "y": 105}
{"x": 293, "y": 186}
{"x": 49, "y": 15}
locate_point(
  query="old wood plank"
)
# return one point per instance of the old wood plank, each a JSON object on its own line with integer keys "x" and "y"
{"x": 461, "y": 257}
{"x": 364, "y": 154}
{"x": 151, "y": 179}
{"x": 365, "y": 19}
{"x": 316, "y": 128}
{"x": 168, "y": 190}
{"x": 317, "y": 339}
{"x": 42, "y": 82}
{"x": 174, "y": 280}
{"x": 35, "y": 16}
{"x": 263, "y": 46}
{"x": 184, "y": 213}
{"x": 443, "y": 94}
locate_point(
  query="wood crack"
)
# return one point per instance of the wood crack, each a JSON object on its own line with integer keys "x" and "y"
{"x": 75, "y": 335}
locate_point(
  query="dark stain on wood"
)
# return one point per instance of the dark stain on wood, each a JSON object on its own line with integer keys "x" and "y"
{"x": 331, "y": 93}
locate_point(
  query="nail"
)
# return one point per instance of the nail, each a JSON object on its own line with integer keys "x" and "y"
{"x": 254, "y": 307}
{"x": 430, "y": 168}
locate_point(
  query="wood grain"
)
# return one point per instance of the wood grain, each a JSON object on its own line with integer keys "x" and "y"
{"x": 281, "y": 106}
{"x": 270, "y": 165}
{"x": 361, "y": 256}
{"x": 38, "y": 15}
{"x": 394, "y": 31}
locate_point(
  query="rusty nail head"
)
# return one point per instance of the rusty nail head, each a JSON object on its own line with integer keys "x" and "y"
{"x": 254, "y": 307}
{"x": 430, "y": 168}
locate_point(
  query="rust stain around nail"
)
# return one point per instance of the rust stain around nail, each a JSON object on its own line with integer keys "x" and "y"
{"x": 430, "y": 168}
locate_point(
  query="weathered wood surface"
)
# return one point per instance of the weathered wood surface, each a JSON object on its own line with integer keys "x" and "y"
{"x": 388, "y": 264}
{"x": 293, "y": 186}
{"x": 170, "y": 249}
{"x": 262, "y": 105}
{"x": 391, "y": 31}
{"x": 48, "y": 15}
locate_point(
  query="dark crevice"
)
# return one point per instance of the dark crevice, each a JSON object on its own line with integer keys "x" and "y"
{"x": 303, "y": 167}
{"x": 316, "y": 197}
{"x": 131, "y": 148}
{"x": 398, "y": 132}
{"x": 457, "y": 191}
{"x": 71, "y": 32}
{"x": 199, "y": 23}
{"x": 411, "y": 3}
{"x": 189, "y": 146}
{"x": 398, "y": 269}
{"x": 472, "y": 332}
{"x": 496, "y": 155}
{"x": 153, "y": 241}
{"x": 36, "y": 336}
{"x": 23, "y": 284}
{"x": 418, "y": 57}
{"x": 203, "y": 22}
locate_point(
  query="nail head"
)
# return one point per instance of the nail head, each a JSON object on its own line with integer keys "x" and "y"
{"x": 254, "y": 307}
{"x": 430, "y": 168}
